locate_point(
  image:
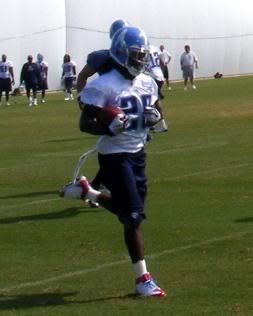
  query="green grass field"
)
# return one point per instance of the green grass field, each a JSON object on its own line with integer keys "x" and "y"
{"x": 63, "y": 258}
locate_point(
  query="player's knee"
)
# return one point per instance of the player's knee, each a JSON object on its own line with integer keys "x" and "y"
{"x": 133, "y": 220}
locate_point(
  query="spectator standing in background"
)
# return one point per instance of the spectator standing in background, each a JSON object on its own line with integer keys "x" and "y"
{"x": 30, "y": 75}
{"x": 6, "y": 78}
{"x": 43, "y": 65}
{"x": 68, "y": 76}
{"x": 165, "y": 59}
{"x": 188, "y": 62}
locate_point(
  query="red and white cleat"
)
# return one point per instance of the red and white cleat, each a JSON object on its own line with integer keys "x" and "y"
{"x": 77, "y": 190}
{"x": 146, "y": 286}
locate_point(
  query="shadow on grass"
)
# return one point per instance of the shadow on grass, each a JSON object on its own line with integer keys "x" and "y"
{"x": 35, "y": 300}
{"x": 244, "y": 220}
{"x": 64, "y": 140}
{"x": 31, "y": 194}
{"x": 68, "y": 213}
{"x": 10, "y": 302}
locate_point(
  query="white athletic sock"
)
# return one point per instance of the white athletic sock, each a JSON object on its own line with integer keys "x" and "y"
{"x": 140, "y": 268}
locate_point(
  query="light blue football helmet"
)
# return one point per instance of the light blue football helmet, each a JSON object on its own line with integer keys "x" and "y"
{"x": 117, "y": 25}
{"x": 130, "y": 49}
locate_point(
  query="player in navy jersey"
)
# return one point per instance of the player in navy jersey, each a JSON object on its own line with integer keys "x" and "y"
{"x": 30, "y": 75}
{"x": 99, "y": 61}
{"x": 120, "y": 145}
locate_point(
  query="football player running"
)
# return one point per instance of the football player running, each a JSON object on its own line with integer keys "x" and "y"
{"x": 120, "y": 147}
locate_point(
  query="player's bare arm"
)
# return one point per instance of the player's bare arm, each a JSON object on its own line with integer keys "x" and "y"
{"x": 82, "y": 77}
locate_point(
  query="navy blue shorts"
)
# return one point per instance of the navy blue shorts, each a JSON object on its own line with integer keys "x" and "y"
{"x": 5, "y": 84}
{"x": 165, "y": 72}
{"x": 69, "y": 82}
{"x": 31, "y": 86}
{"x": 159, "y": 85}
{"x": 43, "y": 84}
{"x": 124, "y": 175}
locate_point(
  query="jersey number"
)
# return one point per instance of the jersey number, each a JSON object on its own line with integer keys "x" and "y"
{"x": 3, "y": 69}
{"x": 155, "y": 59}
{"x": 134, "y": 108}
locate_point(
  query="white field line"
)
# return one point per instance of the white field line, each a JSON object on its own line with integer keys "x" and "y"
{"x": 183, "y": 148}
{"x": 159, "y": 180}
{"x": 193, "y": 174}
{"x": 121, "y": 262}
{"x": 176, "y": 148}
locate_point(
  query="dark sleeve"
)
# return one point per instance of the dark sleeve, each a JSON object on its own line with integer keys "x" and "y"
{"x": 22, "y": 74}
{"x": 97, "y": 60}
{"x": 74, "y": 70}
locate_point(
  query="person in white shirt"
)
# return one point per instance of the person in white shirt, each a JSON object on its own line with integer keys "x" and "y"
{"x": 68, "y": 76}
{"x": 6, "y": 78}
{"x": 44, "y": 75}
{"x": 155, "y": 71}
{"x": 188, "y": 62}
{"x": 121, "y": 142}
{"x": 165, "y": 59}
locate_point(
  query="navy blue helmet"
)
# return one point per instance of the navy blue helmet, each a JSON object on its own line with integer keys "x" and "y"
{"x": 130, "y": 49}
{"x": 117, "y": 25}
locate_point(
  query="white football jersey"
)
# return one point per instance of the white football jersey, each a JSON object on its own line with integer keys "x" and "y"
{"x": 132, "y": 96}
{"x": 68, "y": 69}
{"x": 164, "y": 56}
{"x": 154, "y": 68}
{"x": 43, "y": 66}
{"x": 5, "y": 68}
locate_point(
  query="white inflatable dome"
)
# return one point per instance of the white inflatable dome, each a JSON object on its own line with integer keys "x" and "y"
{"x": 219, "y": 32}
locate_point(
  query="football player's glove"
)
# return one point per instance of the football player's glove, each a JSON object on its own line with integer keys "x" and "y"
{"x": 118, "y": 124}
{"x": 112, "y": 118}
{"x": 152, "y": 116}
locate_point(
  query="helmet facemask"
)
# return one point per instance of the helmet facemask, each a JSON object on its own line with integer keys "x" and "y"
{"x": 137, "y": 60}
{"x": 130, "y": 49}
